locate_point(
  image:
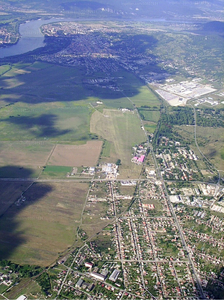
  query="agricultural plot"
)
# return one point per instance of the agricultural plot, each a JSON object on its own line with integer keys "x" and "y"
{"x": 26, "y": 153}
{"x": 44, "y": 225}
{"x": 10, "y": 192}
{"x": 27, "y": 287}
{"x": 55, "y": 171}
{"x": 76, "y": 155}
{"x": 10, "y": 171}
{"x": 123, "y": 130}
{"x": 55, "y": 121}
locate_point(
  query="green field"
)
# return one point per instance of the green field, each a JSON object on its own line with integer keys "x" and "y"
{"x": 55, "y": 171}
{"x": 45, "y": 101}
{"x": 106, "y": 149}
{"x": 42, "y": 105}
{"x": 55, "y": 121}
{"x": 4, "y": 69}
{"x": 150, "y": 127}
{"x": 123, "y": 130}
{"x": 145, "y": 97}
{"x": 150, "y": 115}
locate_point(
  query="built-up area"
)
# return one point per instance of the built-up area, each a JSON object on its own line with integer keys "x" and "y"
{"x": 102, "y": 52}
{"x": 163, "y": 239}
{"x": 163, "y": 234}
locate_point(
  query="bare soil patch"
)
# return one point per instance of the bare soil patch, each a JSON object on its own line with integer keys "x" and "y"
{"x": 76, "y": 155}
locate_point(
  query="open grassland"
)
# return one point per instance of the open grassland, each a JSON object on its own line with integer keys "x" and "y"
{"x": 145, "y": 97}
{"x": 210, "y": 141}
{"x": 4, "y": 69}
{"x": 44, "y": 225}
{"x": 54, "y": 121}
{"x": 123, "y": 130}
{"x": 76, "y": 155}
{"x": 46, "y": 101}
{"x": 127, "y": 190}
{"x": 106, "y": 149}
{"x": 93, "y": 212}
{"x": 134, "y": 89}
{"x": 133, "y": 171}
{"x": 25, "y": 153}
{"x": 10, "y": 192}
{"x": 150, "y": 115}
{"x": 150, "y": 127}
{"x": 122, "y": 102}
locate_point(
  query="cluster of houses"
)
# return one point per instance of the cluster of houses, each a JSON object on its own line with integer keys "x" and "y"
{"x": 97, "y": 276}
{"x": 110, "y": 170}
{"x": 5, "y": 279}
{"x": 139, "y": 154}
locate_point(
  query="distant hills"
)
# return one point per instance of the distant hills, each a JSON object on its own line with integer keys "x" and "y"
{"x": 92, "y": 5}
{"x": 187, "y": 10}
{"x": 214, "y": 26}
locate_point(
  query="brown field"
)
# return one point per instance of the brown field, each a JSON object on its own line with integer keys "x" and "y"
{"x": 45, "y": 225}
{"x": 10, "y": 192}
{"x": 76, "y": 155}
{"x": 26, "y": 153}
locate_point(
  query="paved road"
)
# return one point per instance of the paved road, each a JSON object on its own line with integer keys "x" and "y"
{"x": 197, "y": 279}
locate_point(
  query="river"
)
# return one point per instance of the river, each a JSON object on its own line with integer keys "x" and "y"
{"x": 31, "y": 38}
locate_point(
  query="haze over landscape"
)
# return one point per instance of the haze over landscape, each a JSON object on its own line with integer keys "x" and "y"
{"x": 111, "y": 149}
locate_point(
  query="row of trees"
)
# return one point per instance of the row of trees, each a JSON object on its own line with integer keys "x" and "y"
{"x": 185, "y": 116}
{"x": 28, "y": 271}
{"x": 23, "y": 270}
